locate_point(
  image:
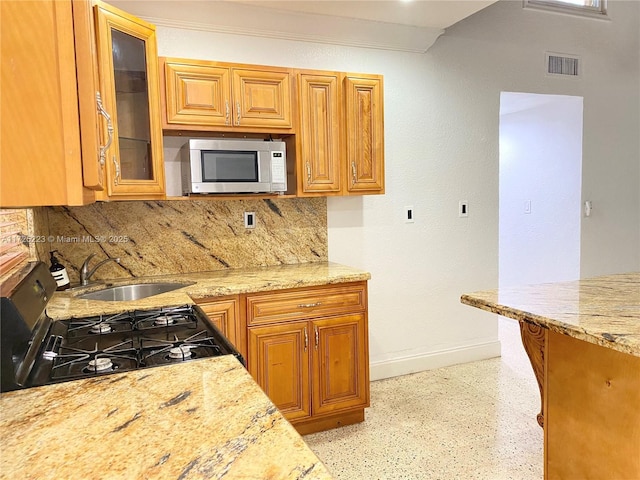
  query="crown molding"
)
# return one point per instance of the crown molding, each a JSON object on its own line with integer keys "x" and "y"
{"x": 247, "y": 20}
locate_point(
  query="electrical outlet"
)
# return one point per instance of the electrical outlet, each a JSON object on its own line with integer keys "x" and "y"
{"x": 250, "y": 219}
{"x": 408, "y": 215}
{"x": 463, "y": 208}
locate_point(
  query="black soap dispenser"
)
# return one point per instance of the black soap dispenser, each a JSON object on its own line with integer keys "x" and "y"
{"x": 59, "y": 273}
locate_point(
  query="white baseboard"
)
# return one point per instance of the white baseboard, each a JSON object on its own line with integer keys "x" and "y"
{"x": 431, "y": 360}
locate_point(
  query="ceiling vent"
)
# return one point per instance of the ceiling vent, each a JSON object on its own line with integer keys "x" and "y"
{"x": 562, "y": 64}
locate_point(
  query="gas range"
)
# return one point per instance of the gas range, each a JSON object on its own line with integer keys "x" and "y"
{"x": 59, "y": 351}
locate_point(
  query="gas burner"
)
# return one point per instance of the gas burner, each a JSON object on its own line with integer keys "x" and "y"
{"x": 164, "y": 320}
{"x": 173, "y": 317}
{"x": 162, "y": 349}
{"x": 101, "y": 328}
{"x": 180, "y": 353}
{"x": 98, "y": 325}
{"x": 99, "y": 365}
{"x": 102, "y": 356}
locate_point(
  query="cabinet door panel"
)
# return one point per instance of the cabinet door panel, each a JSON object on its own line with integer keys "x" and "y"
{"x": 319, "y": 166}
{"x": 364, "y": 134}
{"x": 224, "y": 315}
{"x": 197, "y": 94}
{"x": 129, "y": 78}
{"x": 88, "y": 91}
{"x": 40, "y": 148}
{"x": 279, "y": 363}
{"x": 340, "y": 376}
{"x": 262, "y": 98}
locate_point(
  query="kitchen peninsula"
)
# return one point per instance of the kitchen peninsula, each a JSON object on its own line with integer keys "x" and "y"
{"x": 196, "y": 419}
{"x": 583, "y": 340}
{"x": 205, "y": 419}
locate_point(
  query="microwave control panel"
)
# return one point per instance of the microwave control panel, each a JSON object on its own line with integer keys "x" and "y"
{"x": 278, "y": 171}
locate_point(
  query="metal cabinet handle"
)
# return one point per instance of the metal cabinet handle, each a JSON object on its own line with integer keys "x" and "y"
{"x": 116, "y": 180}
{"x": 316, "y": 329}
{"x": 354, "y": 172}
{"x": 238, "y": 113}
{"x": 308, "y": 173}
{"x": 309, "y": 305}
{"x": 103, "y": 148}
{"x": 306, "y": 339}
{"x": 227, "y": 116}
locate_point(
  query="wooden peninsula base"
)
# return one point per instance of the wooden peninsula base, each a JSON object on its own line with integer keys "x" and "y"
{"x": 583, "y": 340}
{"x": 590, "y": 406}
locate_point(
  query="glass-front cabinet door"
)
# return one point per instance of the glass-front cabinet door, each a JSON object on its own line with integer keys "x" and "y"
{"x": 128, "y": 64}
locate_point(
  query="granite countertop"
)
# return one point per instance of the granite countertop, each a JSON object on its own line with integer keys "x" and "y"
{"x": 66, "y": 304}
{"x": 203, "y": 419}
{"x": 602, "y": 310}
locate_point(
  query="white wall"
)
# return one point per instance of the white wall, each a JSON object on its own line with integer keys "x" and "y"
{"x": 441, "y": 146}
{"x": 540, "y": 163}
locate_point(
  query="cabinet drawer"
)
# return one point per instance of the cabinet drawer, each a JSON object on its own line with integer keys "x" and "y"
{"x": 300, "y": 304}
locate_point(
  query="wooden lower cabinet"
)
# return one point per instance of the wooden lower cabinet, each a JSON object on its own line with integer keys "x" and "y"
{"x": 316, "y": 371}
{"x": 307, "y": 348}
{"x": 279, "y": 362}
{"x": 340, "y": 379}
{"x": 224, "y": 314}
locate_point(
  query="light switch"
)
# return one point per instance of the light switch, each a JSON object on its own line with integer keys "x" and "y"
{"x": 409, "y": 214}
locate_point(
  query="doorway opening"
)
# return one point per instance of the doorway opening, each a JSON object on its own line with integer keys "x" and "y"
{"x": 540, "y": 188}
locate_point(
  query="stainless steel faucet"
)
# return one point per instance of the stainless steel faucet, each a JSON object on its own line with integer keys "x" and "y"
{"x": 85, "y": 273}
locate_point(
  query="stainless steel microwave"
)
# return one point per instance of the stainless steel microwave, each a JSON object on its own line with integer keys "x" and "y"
{"x": 212, "y": 165}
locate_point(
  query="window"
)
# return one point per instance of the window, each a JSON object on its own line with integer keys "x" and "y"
{"x": 593, "y": 8}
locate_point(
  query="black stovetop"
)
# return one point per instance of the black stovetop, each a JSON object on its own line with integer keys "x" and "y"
{"x": 36, "y": 350}
{"x": 100, "y": 345}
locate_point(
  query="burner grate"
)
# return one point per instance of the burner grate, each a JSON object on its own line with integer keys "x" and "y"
{"x": 156, "y": 351}
{"x": 183, "y": 317}
{"x": 84, "y": 347}
{"x": 71, "y": 362}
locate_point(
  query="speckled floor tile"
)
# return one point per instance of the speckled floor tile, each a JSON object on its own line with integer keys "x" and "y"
{"x": 472, "y": 421}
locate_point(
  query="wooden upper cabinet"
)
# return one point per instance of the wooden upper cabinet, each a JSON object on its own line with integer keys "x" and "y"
{"x": 128, "y": 68}
{"x": 262, "y": 98}
{"x": 340, "y": 144}
{"x": 42, "y": 159}
{"x": 364, "y": 125}
{"x": 91, "y": 112}
{"x": 213, "y": 96}
{"x": 195, "y": 93}
{"x": 318, "y": 160}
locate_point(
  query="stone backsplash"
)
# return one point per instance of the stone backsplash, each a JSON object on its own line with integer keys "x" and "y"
{"x": 17, "y": 240}
{"x": 165, "y": 237}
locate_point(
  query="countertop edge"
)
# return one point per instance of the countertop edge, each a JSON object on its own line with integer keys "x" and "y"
{"x": 614, "y": 343}
{"x": 204, "y": 285}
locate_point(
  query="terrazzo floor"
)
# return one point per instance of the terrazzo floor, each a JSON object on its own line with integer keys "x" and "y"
{"x": 471, "y": 421}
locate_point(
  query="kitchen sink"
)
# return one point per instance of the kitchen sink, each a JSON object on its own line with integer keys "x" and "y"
{"x": 136, "y": 291}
